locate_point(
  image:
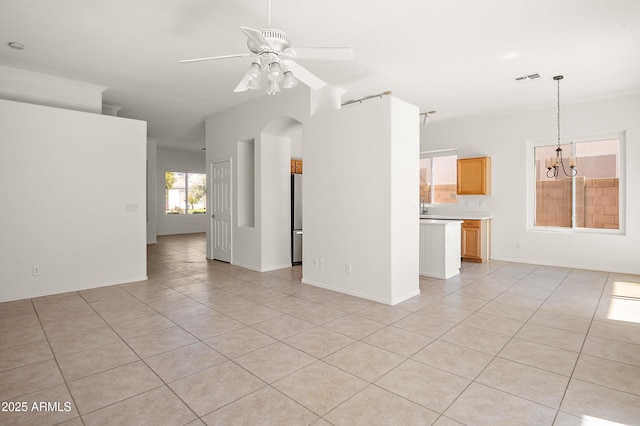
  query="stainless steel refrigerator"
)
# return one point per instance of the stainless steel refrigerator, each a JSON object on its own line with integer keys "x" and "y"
{"x": 296, "y": 219}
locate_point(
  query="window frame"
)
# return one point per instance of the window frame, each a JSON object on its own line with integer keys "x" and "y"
{"x": 572, "y": 141}
{"x": 433, "y": 154}
{"x": 187, "y": 209}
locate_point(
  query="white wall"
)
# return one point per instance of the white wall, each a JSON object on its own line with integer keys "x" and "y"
{"x": 152, "y": 191}
{"x": 504, "y": 138}
{"x": 259, "y": 120}
{"x": 275, "y": 206}
{"x": 405, "y": 170}
{"x": 178, "y": 161}
{"x": 73, "y": 197}
{"x": 361, "y": 200}
{"x": 296, "y": 144}
{"x": 31, "y": 87}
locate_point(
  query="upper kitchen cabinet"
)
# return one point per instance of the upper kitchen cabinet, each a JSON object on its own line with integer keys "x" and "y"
{"x": 296, "y": 166}
{"x": 474, "y": 176}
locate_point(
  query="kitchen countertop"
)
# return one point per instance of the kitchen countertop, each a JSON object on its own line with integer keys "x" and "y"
{"x": 433, "y": 221}
{"x": 457, "y": 216}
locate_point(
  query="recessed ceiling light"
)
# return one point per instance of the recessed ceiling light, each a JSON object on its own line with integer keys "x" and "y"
{"x": 15, "y": 45}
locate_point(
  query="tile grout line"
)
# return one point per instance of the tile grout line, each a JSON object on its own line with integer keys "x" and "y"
{"x": 247, "y": 279}
{"x": 496, "y": 355}
{"x": 410, "y": 358}
{"x": 564, "y": 394}
{"x": 228, "y": 360}
{"x": 55, "y": 358}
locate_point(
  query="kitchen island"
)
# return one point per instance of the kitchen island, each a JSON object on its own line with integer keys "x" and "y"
{"x": 440, "y": 248}
{"x": 476, "y": 230}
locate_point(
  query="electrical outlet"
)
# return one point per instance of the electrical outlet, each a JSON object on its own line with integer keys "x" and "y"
{"x": 519, "y": 245}
{"x": 321, "y": 263}
{"x": 36, "y": 271}
{"x": 347, "y": 268}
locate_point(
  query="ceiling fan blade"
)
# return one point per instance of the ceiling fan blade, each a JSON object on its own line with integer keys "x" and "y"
{"x": 239, "y": 55}
{"x": 331, "y": 53}
{"x": 243, "y": 86}
{"x": 304, "y": 75}
{"x": 257, "y": 37}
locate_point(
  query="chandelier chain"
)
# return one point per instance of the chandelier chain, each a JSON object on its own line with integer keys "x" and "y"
{"x": 558, "y": 112}
{"x": 555, "y": 163}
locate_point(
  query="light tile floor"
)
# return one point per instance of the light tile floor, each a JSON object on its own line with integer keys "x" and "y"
{"x": 204, "y": 342}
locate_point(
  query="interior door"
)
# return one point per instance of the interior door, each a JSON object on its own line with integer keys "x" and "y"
{"x": 221, "y": 210}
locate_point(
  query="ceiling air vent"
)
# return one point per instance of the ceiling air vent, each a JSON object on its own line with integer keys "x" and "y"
{"x": 526, "y": 78}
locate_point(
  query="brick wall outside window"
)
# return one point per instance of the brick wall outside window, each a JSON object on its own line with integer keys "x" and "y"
{"x": 442, "y": 193}
{"x": 597, "y": 203}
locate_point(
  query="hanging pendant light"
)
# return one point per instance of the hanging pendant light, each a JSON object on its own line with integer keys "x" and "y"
{"x": 554, "y": 164}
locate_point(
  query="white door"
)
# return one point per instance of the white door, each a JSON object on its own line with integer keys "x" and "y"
{"x": 221, "y": 210}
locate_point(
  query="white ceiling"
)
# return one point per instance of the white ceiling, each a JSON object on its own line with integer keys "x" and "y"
{"x": 458, "y": 57}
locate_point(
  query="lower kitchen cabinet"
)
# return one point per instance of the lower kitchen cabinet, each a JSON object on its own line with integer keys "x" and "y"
{"x": 474, "y": 246}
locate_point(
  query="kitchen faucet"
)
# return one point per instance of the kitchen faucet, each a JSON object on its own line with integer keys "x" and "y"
{"x": 423, "y": 210}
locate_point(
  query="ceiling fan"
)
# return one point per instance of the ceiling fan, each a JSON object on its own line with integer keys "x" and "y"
{"x": 272, "y": 52}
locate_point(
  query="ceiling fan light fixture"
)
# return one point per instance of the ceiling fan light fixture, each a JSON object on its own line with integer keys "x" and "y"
{"x": 254, "y": 84}
{"x": 271, "y": 51}
{"x": 255, "y": 70}
{"x": 274, "y": 87}
{"x": 290, "y": 81}
{"x": 275, "y": 72}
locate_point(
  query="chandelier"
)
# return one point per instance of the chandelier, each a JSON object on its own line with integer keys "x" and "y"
{"x": 554, "y": 164}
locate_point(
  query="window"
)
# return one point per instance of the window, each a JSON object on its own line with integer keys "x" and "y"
{"x": 590, "y": 200}
{"x": 438, "y": 177}
{"x": 186, "y": 193}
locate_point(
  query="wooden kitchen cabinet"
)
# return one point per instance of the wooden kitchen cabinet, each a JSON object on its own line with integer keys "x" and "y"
{"x": 296, "y": 166}
{"x": 474, "y": 176}
{"x": 474, "y": 244}
{"x": 470, "y": 248}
